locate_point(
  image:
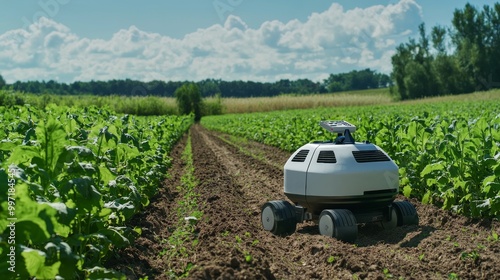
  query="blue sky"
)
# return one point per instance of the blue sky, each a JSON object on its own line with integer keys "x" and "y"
{"x": 68, "y": 40}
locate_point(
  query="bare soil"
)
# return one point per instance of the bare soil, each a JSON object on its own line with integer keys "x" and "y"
{"x": 237, "y": 178}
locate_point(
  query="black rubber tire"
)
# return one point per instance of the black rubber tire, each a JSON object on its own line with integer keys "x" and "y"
{"x": 283, "y": 221}
{"x": 344, "y": 224}
{"x": 406, "y": 212}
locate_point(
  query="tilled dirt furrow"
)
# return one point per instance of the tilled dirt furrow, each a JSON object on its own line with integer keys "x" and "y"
{"x": 224, "y": 232}
{"x": 259, "y": 182}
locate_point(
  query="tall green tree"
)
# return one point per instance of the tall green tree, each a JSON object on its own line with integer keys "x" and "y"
{"x": 413, "y": 69}
{"x": 2, "y": 82}
{"x": 476, "y": 37}
{"x": 467, "y": 37}
{"x": 462, "y": 58}
{"x": 450, "y": 77}
{"x": 189, "y": 100}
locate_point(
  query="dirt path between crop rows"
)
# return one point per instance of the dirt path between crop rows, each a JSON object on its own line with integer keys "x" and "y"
{"x": 232, "y": 244}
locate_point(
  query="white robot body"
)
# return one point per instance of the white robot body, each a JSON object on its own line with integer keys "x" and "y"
{"x": 328, "y": 175}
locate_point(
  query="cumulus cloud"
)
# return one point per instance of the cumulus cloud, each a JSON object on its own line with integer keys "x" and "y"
{"x": 333, "y": 41}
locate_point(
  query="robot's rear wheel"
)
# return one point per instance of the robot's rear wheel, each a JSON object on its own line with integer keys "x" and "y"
{"x": 278, "y": 217}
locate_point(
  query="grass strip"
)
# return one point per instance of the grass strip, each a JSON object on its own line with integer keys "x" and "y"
{"x": 188, "y": 213}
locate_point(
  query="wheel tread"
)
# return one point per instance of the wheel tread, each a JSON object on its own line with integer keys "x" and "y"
{"x": 346, "y": 228}
{"x": 285, "y": 221}
{"x": 406, "y": 212}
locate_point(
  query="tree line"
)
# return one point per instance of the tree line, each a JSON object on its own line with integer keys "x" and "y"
{"x": 354, "y": 80}
{"x": 459, "y": 59}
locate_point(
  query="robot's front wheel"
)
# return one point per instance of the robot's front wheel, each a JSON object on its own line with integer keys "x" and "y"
{"x": 278, "y": 217}
{"x": 338, "y": 223}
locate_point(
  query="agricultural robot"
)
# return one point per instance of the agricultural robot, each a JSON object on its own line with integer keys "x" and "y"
{"x": 339, "y": 184}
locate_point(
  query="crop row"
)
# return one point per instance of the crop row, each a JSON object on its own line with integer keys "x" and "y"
{"x": 448, "y": 153}
{"x": 70, "y": 179}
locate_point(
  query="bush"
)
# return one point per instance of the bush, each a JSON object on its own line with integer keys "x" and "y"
{"x": 189, "y": 100}
{"x": 10, "y": 99}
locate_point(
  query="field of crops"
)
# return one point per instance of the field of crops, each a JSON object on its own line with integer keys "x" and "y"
{"x": 69, "y": 180}
{"x": 448, "y": 153}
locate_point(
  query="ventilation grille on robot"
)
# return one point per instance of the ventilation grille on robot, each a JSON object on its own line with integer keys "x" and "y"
{"x": 370, "y": 156}
{"x": 327, "y": 157}
{"x": 300, "y": 156}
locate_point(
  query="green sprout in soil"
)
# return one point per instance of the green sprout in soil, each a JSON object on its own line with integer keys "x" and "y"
{"x": 238, "y": 239}
{"x": 387, "y": 273}
{"x": 248, "y": 258}
{"x": 493, "y": 237}
{"x": 472, "y": 255}
{"x": 421, "y": 257}
{"x": 331, "y": 259}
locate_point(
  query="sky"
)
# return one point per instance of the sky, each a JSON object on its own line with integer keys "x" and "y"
{"x": 258, "y": 40}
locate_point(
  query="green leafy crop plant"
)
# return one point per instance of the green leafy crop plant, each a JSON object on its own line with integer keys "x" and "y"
{"x": 448, "y": 153}
{"x": 75, "y": 176}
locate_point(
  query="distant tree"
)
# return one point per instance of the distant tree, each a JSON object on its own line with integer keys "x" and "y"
{"x": 2, "y": 82}
{"x": 356, "y": 80}
{"x": 384, "y": 80}
{"x": 416, "y": 80}
{"x": 438, "y": 37}
{"x": 413, "y": 68}
{"x": 189, "y": 100}
{"x": 451, "y": 78}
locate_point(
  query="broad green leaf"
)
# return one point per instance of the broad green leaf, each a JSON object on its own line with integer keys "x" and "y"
{"x": 426, "y": 199}
{"x": 36, "y": 267}
{"x": 430, "y": 168}
{"x": 106, "y": 175}
{"x": 52, "y": 138}
{"x": 122, "y": 205}
{"x": 34, "y": 261}
{"x": 114, "y": 234}
{"x": 98, "y": 273}
{"x": 497, "y": 170}
{"x": 69, "y": 260}
{"x": 7, "y": 145}
{"x": 407, "y": 191}
{"x": 88, "y": 196}
{"x": 23, "y": 154}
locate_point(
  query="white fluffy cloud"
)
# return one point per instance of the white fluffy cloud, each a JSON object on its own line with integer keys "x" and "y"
{"x": 333, "y": 41}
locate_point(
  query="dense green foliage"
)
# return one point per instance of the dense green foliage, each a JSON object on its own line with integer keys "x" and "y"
{"x": 139, "y": 106}
{"x": 460, "y": 59}
{"x": 448, "y": 153}
{"x": 71, "y": 178}
{"x": 189, "y": 100}
{"x": 353, "y": 80}
{"x": 2, "y": 82}
{"x": 357, "y": 80}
